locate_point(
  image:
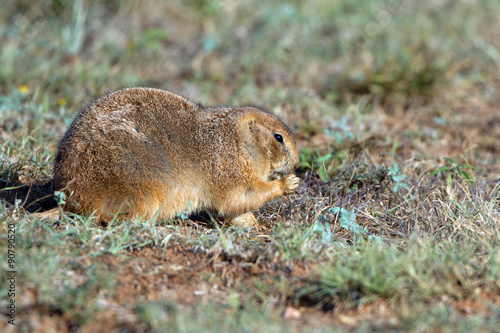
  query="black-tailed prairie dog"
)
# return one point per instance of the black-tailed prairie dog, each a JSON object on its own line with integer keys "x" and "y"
{"x": 139, "y": 152}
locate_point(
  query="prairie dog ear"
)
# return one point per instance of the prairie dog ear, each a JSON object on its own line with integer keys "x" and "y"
{"x": 249, "y": 121}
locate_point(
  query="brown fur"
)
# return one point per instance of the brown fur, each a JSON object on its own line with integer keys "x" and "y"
{"x": 142, "y": 151}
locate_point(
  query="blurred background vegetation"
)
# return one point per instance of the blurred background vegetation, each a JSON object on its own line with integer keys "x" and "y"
{"x": 312, "y": 56}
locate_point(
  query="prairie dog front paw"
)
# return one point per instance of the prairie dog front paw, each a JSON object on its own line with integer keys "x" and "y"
{"x": 290, "y": 183}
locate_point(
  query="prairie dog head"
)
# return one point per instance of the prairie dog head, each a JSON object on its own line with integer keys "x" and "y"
{"x": 268, "y": 144}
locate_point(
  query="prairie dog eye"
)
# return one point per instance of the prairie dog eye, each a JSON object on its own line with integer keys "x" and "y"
{"x": 278, "y": 137}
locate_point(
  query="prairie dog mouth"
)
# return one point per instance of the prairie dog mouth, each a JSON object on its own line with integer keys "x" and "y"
{"x": 278, "y": 175}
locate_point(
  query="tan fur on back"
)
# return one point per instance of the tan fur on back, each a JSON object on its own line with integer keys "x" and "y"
{"x": 141, "y": 151}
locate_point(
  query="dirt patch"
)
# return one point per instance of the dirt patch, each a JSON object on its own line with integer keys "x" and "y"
{"x": 184, "y": 276}
{"x": 480, "y": 302}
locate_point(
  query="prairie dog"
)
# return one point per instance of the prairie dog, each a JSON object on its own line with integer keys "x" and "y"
{"x": 138, "y": 152}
